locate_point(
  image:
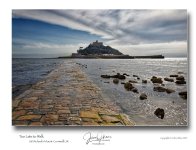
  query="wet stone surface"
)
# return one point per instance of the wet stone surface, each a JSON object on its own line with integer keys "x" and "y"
{"x": 66, "y": 97}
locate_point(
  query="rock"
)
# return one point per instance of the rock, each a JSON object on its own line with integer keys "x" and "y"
{"x": 118, "y": 75}
{"x": 159, "y": 89}
{"x": 135, "y": 76}
{"x": 121, "y": 77}
{"x": 29, "y": 117}
{"x": 169, "y": 91}
{"x": 162, "y": 89}
{"x": 124, "y": 74}
{"x": 159, "y": 112}
{"x": 133, "y": 81}
{"x": 143, "y": 96}
{"x": 122, "y": 82}
{"x": 144, "y": 81}
{"x": 180, "y": 78}
{"x": 65, "y": 111}
{"x": 115, "y": 81}
{"x": 174, "y": 75}
{"x": 106, "y": 82}
{"x": 156, "y": 80}
{"x": 18, "y": 113}
{"x": 128, "y": 86}
{"x": 180, "y": 82}
{"x": 51, "y": 118}
{"x": 105, "y": 76}
{"x": 138, "y": 78}
{"x": 183, "y": 94}
{"x": 169, "y": 79}
{"x": 109, "y": 119}
{"x": 135, "y": 90}
{"x": 89, "y": 114}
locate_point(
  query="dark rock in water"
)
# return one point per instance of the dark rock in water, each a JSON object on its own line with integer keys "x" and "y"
{"x": 180, "y": 82}
{"x": 169, "y": 79}
{"x": 174, "y": 75}
{"x": 159, "y": 112}
{"x": 135, "y": 90}
{"x": 162, "y": 89}
{"x": 144, "y": 81}
{"x": 133, "y": 81}
{"x": 135, "y": 76}
{"x": 116, "y": 81}
{"x": 183, "y": 94}
{"x": 138, "y": 78}
{"x": 121, "y": 77}
{"x": 106, "y": 82}
{"x": 143, "y": 96}
{"x": 124, "y": 74}
{"x": 159, "y": 89}
{"x": 156, "y": 80}
{"x": 169, "y": 91}
{"x": 180, "y": 78}
{"x": 105, "y": 76}
{"x": 128, "y": 86}
{"x": 122, "y": 82}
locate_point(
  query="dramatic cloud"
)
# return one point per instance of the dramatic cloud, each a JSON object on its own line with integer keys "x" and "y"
{"x": 121, "y": 27}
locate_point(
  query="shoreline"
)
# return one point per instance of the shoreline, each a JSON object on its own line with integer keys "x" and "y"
{"x": 66, "y": 97}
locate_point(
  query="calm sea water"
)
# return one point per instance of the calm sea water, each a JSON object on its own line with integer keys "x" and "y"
{"x": 29, "y": 71}
{"x": 142, "y": 111}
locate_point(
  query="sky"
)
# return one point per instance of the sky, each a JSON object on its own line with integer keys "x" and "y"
{"x": 53, "y": 33}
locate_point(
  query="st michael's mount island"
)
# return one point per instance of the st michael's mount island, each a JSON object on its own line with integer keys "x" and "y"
{"x": 98, "y": 50}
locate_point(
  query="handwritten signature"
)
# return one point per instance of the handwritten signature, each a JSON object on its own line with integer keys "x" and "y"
{"x": 97, "y": 139}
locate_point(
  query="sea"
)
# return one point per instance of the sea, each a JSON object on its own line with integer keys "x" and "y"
{"x": 26, "y": 72}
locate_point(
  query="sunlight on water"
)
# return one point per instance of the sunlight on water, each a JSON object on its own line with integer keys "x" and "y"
{"x": 143, "y": 111}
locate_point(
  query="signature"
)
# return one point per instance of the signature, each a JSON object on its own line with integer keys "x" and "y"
{"x": 96, "y": 139}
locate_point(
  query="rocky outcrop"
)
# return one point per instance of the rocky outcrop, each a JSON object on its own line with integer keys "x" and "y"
{"x": 97, "y": 48}
{"x": 115, "y": 81}
{"x": 128, "y": 86}
{"x": 105, "y": 76}
{"x": 162, "y": 89}
{"x": 124, "y": 74}
{"x": 169, "y": 79}
{"x": 118, "y": 76}
{"x": 144, "y": 81}
{"x": 180, "y": 80}
{"x": 135, "y": 90}
{"x": 183, "y": 94}
{"x": 143, "y": 96}
{"x": 174, "y": 75}
{"x": 155, "y": 79}
{"x": 159, "y": 112}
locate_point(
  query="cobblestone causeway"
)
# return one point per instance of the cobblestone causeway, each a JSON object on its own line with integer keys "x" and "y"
{"x": 66, "y": 98}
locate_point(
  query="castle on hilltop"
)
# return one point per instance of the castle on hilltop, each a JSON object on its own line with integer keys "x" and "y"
{"x": 96, "y": 43}
{"x": 98, "y": 50}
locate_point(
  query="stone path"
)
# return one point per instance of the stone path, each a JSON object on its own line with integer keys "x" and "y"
{"x": 66, "y": 97}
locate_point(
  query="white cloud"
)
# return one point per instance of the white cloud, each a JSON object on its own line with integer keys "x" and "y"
{"x": 136, "y": 30}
